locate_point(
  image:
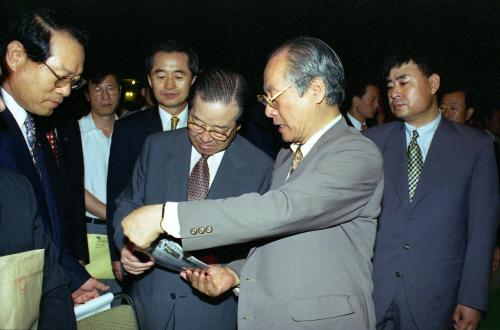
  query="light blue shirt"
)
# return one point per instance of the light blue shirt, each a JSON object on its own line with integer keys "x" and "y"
{"x": 165, "y": 118}
{"x": 425, "y": 134}
{"x": 95, "y": 147}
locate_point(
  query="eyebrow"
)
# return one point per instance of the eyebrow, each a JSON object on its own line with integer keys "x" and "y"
{"x": 402, "y": 76}
{"x": 215, "y": 126}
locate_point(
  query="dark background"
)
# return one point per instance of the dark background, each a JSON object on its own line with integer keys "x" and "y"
{"x": 463, "y": 36}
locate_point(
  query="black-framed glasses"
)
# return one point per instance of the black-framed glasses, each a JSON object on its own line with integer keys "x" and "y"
{"x": 63, "y": 81}
{"x": 99, "y": 90}
{"x": 270, "y": 101}
{"x": 216, "y": 135}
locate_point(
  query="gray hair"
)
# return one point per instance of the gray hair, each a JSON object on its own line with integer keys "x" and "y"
{"x": 309, "y": 58}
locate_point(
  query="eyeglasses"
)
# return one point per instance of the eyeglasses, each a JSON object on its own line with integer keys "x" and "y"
{"x": 111, "y": 89}
{"x": 63, "y": 81}
{"x": 270, "y": 101}
{"x": 216, "y": 135}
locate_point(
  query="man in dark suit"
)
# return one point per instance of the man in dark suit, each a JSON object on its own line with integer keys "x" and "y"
{"x": 439, "y": 215}
{"x": 163, "y": 299}
{"x": 42, "y": 63}
{"x": 363, "y": 103}
{"x": 21, "y": 230}
{"x": 171, "y": 68}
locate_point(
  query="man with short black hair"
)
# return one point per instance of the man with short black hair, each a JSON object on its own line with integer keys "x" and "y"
{"x": 167, "y": 169}
{"x": 42, "y": 61}
{"x": 364, "y": 104}
{"x": 455, "y": 105}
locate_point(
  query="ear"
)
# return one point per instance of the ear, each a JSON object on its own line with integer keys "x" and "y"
{"x": 15, "y": 56}
{"x": 317, "y": 89}
{"x": 355, "y": 100}
{"x": 193, "y": 80}
{"x": 469, "y": 112}
{"x": 87, "y": 97}
{"x": 434, "y": 82}
{"x": 149, "y": 81}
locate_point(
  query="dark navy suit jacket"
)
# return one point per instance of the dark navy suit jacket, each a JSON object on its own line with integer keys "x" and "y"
{"x": 21, "y": 230}
{"x": 129, "y": 134}
{"x": 15, "y": 155}
{"x": 440, "y": 246}
{"x": 162, "y": 173}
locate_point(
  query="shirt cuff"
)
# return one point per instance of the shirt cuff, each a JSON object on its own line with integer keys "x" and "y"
{"x": 172, "y": 226}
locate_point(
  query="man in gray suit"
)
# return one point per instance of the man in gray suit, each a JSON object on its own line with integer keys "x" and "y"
{"x": 316, "y": 226}
{"x": 235, "y": 166}
{"x": 439, "y": 215}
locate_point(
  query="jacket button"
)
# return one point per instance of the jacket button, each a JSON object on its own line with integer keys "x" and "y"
{"x": 406, "y": 246}
{"x": 398, "y": 274}
{"x": 201, "y": 230}
{"x": 194, "y": 231}
{"x": 208, "y": 230}
{"x": 172, "y": 295}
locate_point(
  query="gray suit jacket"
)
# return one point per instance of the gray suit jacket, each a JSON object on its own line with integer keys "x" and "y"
{"x": 162, "y": 298}
{"x": 440, "y": 246}
{"x": 314, "y": 271}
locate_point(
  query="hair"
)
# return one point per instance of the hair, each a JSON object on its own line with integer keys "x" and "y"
{"x": 450, "y": 88}
{"x": 34, "y": 31}
{"x": 310, "y": 58}
{"x": 218, "y": 85}
{"x": 173, "y": 46}
{"x": 357, "y": 87}
{"x": 97, "y": 73}
{"x": 405, "y": 56}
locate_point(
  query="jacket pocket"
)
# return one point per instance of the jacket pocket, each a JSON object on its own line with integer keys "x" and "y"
{"x": 317, "y": 308}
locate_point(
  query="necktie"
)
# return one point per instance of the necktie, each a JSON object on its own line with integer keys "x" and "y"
{"x": 29, "y": 126}
{"x": 199, "y": 180}
{"x": 52, "y": 138}
{"x": 297, "y": 158}
{"x": 415, "y": 164}
{"x": 363, "y": 127}
{"x": 173, "y": 123}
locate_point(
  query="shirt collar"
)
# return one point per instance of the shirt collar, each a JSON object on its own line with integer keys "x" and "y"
{"x": 15, "y": 109}
{"x": 426, "y": 130}
{"x": 87, "y": 123}
{"x": 165, "y": 118}
{"x": 356, "y": 123}
{"x": 306, "y": 147}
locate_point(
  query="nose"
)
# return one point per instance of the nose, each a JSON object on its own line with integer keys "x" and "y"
{"x": 64, "y": 91}
{"x": 105, "y": 94}
{"x": 270, "y": 111}
{"x": 169, "y": 83}
{"x": 205, "y": 137}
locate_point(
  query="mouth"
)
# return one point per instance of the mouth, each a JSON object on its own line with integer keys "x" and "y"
{"x": 397, "y": 105}
{"x": 55, "y": 104}
{"x": 170, "y": 95}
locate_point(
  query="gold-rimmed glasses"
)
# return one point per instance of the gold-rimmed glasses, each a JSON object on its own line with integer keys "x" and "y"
{"x": 216, "y": 135}
{"x": 63, "y": 81}
{"x": 270, "y": 101}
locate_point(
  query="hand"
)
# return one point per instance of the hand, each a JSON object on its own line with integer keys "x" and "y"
{"x": 117, "y": 270}
{"x": 132, "y": 264}
{"x": 142, "y": 226}
{"x": 213, "y": 281}
{"x": 496, "y": 259}
{"x": 88, "y": 291}
{"x": 466, "y": 318}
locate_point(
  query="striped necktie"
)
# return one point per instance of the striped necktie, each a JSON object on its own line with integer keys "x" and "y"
{"x": 415, "y": 164}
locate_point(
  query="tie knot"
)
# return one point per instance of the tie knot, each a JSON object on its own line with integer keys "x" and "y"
{"x": 297, "y": 158}
{"x": 415, "y": 135}
{"x": 173, "y": 122}
{"x": 29, "y": 123}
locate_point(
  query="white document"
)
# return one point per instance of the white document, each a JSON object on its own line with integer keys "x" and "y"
{"x": 94, "y": 306}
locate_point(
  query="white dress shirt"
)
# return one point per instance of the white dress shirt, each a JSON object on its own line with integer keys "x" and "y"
{"x": 17, "y": 112}
{"x": 165, "y": 118}
{"x": 95, "y": 146}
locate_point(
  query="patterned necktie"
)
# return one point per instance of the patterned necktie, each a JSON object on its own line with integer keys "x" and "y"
{"x": 29, "y": 126}
{"x": 415, "y": 164}
{"x": 199, "y": 180}
{"x": 52, "y": 138}
{"x": 297, "y": 158}
{"x": 173, "y": 123}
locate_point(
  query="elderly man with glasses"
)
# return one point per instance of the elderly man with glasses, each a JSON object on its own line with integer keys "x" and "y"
{"x": 313, "y": 231}
{"x": 208, "y": 160}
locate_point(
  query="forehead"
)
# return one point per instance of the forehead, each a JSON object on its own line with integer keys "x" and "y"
{"x": 66, "y": 53}
{"x": 409, "y": 69}
{"x": 372, "y": 90}
{"x": 274, "y": 73}
{"x": 172, "y": 61}
{"x": 457, "y": 97}
{"x": 108, "y": 79}
{"x": 214, "y": 113}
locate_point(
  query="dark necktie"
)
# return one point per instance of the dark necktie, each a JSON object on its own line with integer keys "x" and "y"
{"x": 415, "y": 164}
{"x": 363, "y": 127}
{"x": 52, "y": 138}
{"x": 173, "y": 123}
{"x": 30, "y": 129}
{"x": 297, "y": 158}
{"x": 199, "y": 180}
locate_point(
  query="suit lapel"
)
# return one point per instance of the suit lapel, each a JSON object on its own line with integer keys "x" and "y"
{"x": 396, "y": 165}
{"x": 437, "y": 160}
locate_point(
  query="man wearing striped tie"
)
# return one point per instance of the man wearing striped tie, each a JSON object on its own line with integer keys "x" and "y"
{"x": 439, "y": 215}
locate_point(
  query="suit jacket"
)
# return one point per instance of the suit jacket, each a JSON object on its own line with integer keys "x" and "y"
{"x": 21, "y": 230}
{"x": 439, "y": 247}
{"x": 15, "y": 155}
{"x": 162, "y": 298}
{"x": 314, "y": 271}
{"x": 129, "y": 134}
